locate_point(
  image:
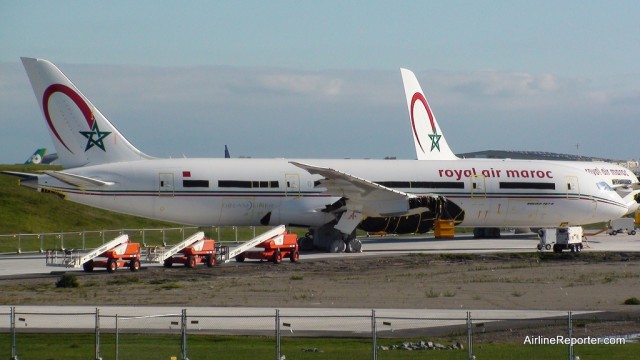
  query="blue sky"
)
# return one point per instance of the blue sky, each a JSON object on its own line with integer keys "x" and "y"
{"x": 321, "y": 78}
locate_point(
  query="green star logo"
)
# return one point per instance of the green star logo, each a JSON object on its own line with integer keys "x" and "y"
{"x": 435, "y": 140}
{"x": 95, "y": 137}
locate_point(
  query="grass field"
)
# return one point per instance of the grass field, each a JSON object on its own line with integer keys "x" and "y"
{"x": 23, "y": 210}
{"x": 153, "y": 347}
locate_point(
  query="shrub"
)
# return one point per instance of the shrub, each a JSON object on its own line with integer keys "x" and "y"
{"x": 632, "y": 301}
{"x": 67, "y": 281}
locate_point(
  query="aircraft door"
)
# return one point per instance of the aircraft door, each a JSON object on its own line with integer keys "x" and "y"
{"x": 292, "y": 184}
{"x": 478, "y": 186}
{"x": 572, "y": 187}
{"x": 165, "y": 184}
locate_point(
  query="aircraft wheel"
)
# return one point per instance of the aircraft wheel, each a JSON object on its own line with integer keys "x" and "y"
{"x": 191, "y": 262}
{"x": 295, "y": 256}
{"x": 305, "y": 243}
{"x": 337, "y": 246}
{"x": 240, "y": 258}
{"x": 277, "y": 257}
{"x": 210, "y": 260}
{"x": 135, "y": 265}
{"x": 632, "y": 232}
{"x": 112, "y": 265}
{"x": 539, "y": 247}
{"x": 354, "y": 246}
{"x": 88, "y": 266}
{"x": 557, "y": 248}
{"x": 548, "y": 247}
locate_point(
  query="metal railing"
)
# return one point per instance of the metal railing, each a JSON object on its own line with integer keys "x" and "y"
{"x": 82, "y": 240}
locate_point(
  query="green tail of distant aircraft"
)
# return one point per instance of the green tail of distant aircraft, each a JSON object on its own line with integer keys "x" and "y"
{"x": 37, "y": 157}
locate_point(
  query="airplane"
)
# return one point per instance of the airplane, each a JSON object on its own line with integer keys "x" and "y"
{"x": 424, "y": 127}
{"x": 331, "y": 197}
{"x": 37, "y": 157}
{"x": 40, "y": 157}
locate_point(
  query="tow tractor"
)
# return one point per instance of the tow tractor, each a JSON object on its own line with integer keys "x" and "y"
{"x": 275, "y": 249}
{"x": 117, "y": 253}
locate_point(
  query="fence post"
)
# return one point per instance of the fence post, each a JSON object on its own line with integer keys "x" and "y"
{"x": 97, "y": 345}
{"x": 184, "y": 334}
{"x": 570, "y": 337}
{"x": 374, "y": 339}
{"x": 12, "y": 316}
{"x": 117, "y": 339}
{"x": 469, "y": 336}
{"x": 277, "y": 334}
{"x": 19, "y": 243}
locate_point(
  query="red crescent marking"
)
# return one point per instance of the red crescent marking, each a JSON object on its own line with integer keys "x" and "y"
{"x": 418, "y": 96}
{"x": 80, "y": 103}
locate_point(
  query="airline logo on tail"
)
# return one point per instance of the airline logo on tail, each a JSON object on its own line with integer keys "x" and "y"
{"x": 37, "y": 156}
{"x": 94, "y": 137}
{"x": 434, "y": 136}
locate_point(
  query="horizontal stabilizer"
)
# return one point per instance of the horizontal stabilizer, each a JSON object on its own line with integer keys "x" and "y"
{"x": 77, "y": 180}
{"x": 21, "y": 175}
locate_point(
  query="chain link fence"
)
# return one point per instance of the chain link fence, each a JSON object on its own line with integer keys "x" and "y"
{"x": 233, "y": 333}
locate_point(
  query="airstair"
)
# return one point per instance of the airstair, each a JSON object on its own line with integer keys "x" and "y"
{"x": 159, "y": 255}
{"x": 278, "y": 230}
{"x": 75, "y": 259}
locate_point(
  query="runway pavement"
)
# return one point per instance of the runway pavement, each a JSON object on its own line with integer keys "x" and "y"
{"x": 25, "y": 264}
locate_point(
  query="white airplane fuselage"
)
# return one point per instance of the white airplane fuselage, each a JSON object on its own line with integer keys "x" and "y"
{"x": 243, "y": 191}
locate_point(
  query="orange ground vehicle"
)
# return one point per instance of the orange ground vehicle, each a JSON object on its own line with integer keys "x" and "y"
{"x": 202, "y": 251}
{"x": 275, "y": 249}
{"x": 126, "y": 254}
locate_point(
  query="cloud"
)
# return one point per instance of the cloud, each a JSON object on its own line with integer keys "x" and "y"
{"x": 275, "y": 112}
{"x": 301, "y": 84}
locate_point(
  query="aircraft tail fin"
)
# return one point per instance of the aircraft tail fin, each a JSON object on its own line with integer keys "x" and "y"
{"x": 428, "y": 138}
{"x": 37, "y": 157}
{"x": 80, "y": 133}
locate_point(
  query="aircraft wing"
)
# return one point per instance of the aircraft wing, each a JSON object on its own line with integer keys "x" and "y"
{"x": 77, "y": 180}
{"x": 364, "y": 196}
{"x": 634, "y": 186}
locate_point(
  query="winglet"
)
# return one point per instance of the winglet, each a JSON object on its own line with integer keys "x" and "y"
{"x": 429, "y": 140}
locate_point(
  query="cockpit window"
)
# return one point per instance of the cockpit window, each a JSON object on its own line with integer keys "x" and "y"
{"x": 604, "y": 186}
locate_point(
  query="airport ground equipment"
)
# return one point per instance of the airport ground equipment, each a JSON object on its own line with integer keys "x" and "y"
{"x": 190, "y": 251}
{"x": 444, "y": 229}
{"x": 202, "y": 251}
{"x": 274, "y": 249}
{"x": 267, "y": 235}
{"x": 119, "y": 252}
{"x": 196, "y": 249}
{"x": 563, "y": 238}
{"x": 618, "y": 226}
